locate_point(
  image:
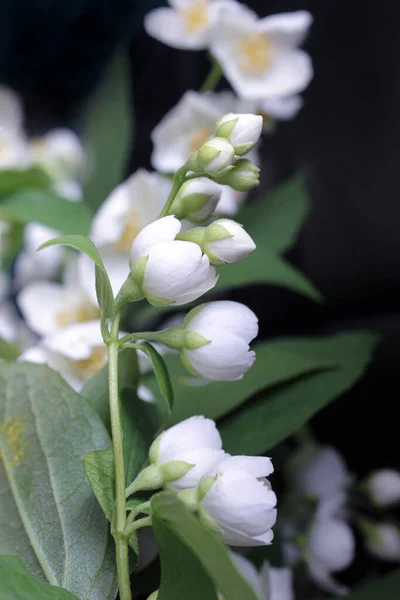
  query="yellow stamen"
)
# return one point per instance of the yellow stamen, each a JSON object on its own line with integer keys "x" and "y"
{"x": 195, "y": 18}
{"x": 132, "y": 226}
{"x": 92, "y": 365}
{"x": 78, "y": 314}
{"x": 198, "y": 138}
{"x": 256, "y": 53}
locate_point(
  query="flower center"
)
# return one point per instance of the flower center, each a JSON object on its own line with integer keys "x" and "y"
{"x": 132, "y": 226}
{"x": 197, "y": 139}
{"x": 92, "y": 365}
{"x": 255, "y": 52}
{"x": 195, "y": 18}
{"x": 79, "y": 314}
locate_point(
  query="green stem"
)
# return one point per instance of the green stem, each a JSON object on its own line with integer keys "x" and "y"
{"x": 213, "y": 78}
{"x": 178, "y": 180}
{"x": 145, "y": 522}
{"x": 119, "y": 520}
{"x": 173, "y": 337}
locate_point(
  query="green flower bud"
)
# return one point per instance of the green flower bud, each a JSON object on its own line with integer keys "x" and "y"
{"x": 243, "y": 177}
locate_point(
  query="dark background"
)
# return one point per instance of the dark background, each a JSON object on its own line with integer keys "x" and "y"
{"x": 346, "y": 137}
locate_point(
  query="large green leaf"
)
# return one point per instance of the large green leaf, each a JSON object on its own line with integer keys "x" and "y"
{"x": 276, "y": 413}
{"x": 273, "y": 222}
{"x": 386, "y": 588}
{"x": 48, "y": 513}
{"x": 12, "y": 180}
{"x": 277, "y": 361}
{"x": 182, "y": 574}
{"x": 99, "y": 469}
{"x": 211, "y": 553}
{"x": 17, "y": 584}
{"x": 42, "y": 206}
{"x": 108, "y": 131}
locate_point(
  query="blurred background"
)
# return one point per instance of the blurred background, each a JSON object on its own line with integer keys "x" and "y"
{"x": 346, "y": 139}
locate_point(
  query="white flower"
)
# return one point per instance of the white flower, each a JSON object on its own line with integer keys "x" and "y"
{"x": 383, "y": 487}
{"x": 240, "y": 503}
{"x": 236, "y": 245}
{"x": 12, "y": 328}
{"x": 269, "y": 583}
{"x": 280, "y": 108}
{"x": 260, "y": 57}
{"x": 382, "y": 540}
{"x": 171, "y": 271}
{"x": 242, "y": 130}
{"x": 31, "y": 265}
{"x": 188, "y": 24}
{"x": 215, "y": 157}
{"x": 128, "y": 209}
{"x": 14, "y": 150}
{"x": 48, "y": 306}
{"x": 77, "y": 352}
{"x": 185, "y": 128}
{"x": 11, "y": 112}
{"x": 230, "y": 201}
{"x": 182, "y": 455}
{"x": 196, "y": 200}
{"x": 59, "y": 153}
{"x": 228, "y": 327}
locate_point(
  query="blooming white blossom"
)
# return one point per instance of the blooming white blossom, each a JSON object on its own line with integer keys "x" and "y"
{"x": 12, "y": 328}
{"x": 382, "y": 540}
{"x": 60, "y": 153}
{"x": 383, "y": 487}
{"x": 226, "y": 242}
{"x": 242, "y": 130}
{"x": 196, "y": 200}
{"x": 230, "y": 201}
{"x": 31, "y": 265}
{"x": 238, "y": 502}
{"x": 13, "y": 143}
{"x": 260, "y": 57}
{"x": 169, "y": 271}
{"x": 280, "y": 108}
{"x": 269, "y": 583}
{"x": 77, "y": 352}
{"x": 187, "y": 24}
{"x": 48, "y": 306}
{"x": 128, "y": 209}
{"x": 227, "y": 329}
{"x": 182, "y": 454}
{"x": 11, "y": 111}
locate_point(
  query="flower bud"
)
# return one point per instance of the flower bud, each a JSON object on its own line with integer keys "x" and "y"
{"x": 226, "y": 241}
{"x": 217, "y": 337}
{"x": 181, "y": 455}
{"x": 196, "y": 200}
{"x": 243, "y": 177}
{"x": 382, "y": 540}
{"x": 215, "y": 157}
{"x": 383, "y": 487}
{"x": 242, "y": 131}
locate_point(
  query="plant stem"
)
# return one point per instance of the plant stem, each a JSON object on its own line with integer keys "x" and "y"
{"x": 119, "y": 519}
{"x": 179, "y": 178}
{"x": 145, "y": 522}
{"x": 213, "y": 78}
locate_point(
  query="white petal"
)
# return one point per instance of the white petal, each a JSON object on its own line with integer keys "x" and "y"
{"x": 282, "y": 108}
{"x": 195, "y": 432}
{"x": 145, "y": 394}
{"x": 333, "y": 543}
{"x": 229, "y": 316}
{"x": 41, "y": 303}
{"x": 324, "y": 579}
{"x": 116, "y": 265}
{"x": 167, "y": 26}
{"x": 76, "y": 341}
{"x": 208, "y": 283}
{"x": 257, "y": 466}
{"x": 276, "y": 584}
{"x": 235, "y": 248}
{"x": 249, "y": 572}
{"x": 383, "y": 487}
{"x": 11, "y": 110}
{"x": 287, "y": 28}
{"x": 162, "y": 230}
{"x": 204, "y": 461}
{"x": 325, "y": 474}
{"x": 230, "y": 201}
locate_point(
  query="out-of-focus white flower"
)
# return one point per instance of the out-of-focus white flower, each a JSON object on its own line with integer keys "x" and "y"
{"x": 77, "y": 352}
{"x": 269, "y": 583}
{"x": 280, "y": 108}
{"x": 382, "y": 540}
{"x": 188, "y": 24}
{"x": 185, "y": 128}
{"x": 196, "y": 200}
{"x": 226, "y": 241}
{"x": 260, "y": 57}
{"x": 12, "y": 328}
{"x": 31, "y": 265}
{"x": 60, "y": 153}
{"x": 11, "y": 111}
{"x": 242, "y": 130}
{"x": 71, "y": 190}
{"x": 48, "y": 306}
{"x": 238, "y": 501}
{"x": 230, "y": 201}
{"x": 128, "y": 209}
{"x": 14, "y": 151}
{"x": 169, "y": 271}
{"x": 181, "y": 455}
{"x": 227, "y": 328}
{"x": 383, "y": 487}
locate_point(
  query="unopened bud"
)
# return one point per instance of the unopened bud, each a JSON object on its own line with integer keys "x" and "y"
{"x": 196, "y": 200}
{"x": 216, "y": 157}
{"x": 383, "y": 487}
{"x": 242, "y": 131}
{"x": 243, "y": 177}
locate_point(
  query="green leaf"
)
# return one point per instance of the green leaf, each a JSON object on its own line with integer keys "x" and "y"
{"x": 103, "y": 286}
{"x": 99, "y": 469}
{"x": 275, "y": 414}
{"x": 17, "y": 584}
{"x": 386, "y": 588}
{"x": 48, "y": 513}
{"x": 273, "y": 222}
{"x": 9, "y": 350}
{"x": 212, "y": 554}
{"x": 12, "y": 180}
{"x": 182, "y": 574}
{"x": 108, "y": 131}
{"x": 277, "y": 361}
{"x": 163, "y": 380}
{"x": 45, "y": 207}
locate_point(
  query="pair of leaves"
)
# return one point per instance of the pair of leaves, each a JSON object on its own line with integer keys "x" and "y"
{"x": 48, "y": 514}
